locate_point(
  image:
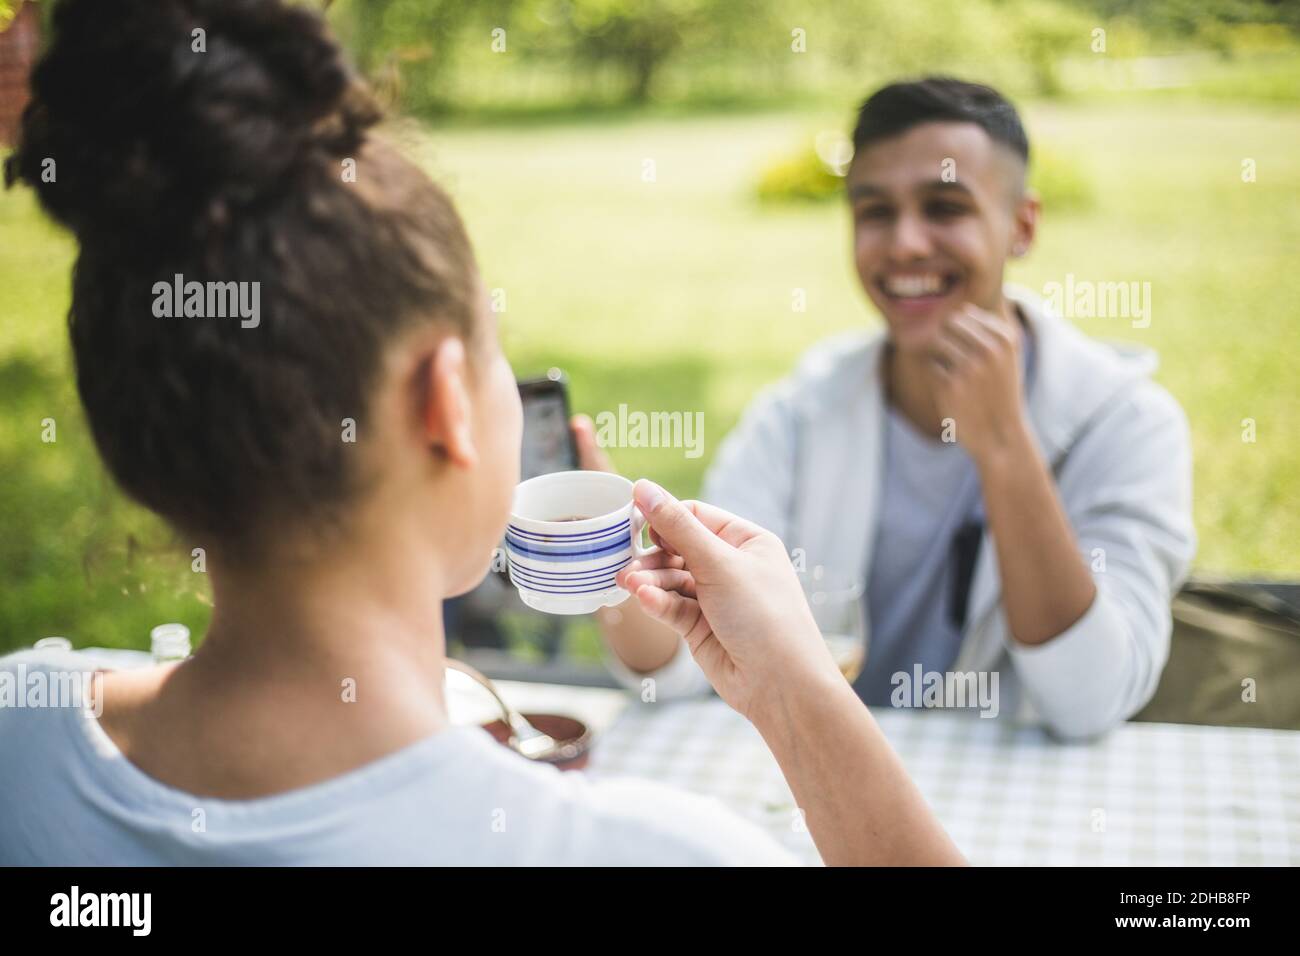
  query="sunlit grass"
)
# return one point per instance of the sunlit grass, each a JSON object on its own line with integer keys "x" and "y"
{"x": 676, "y": 294}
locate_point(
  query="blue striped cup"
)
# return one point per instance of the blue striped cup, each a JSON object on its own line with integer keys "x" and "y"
{"x": 565, "y": 566}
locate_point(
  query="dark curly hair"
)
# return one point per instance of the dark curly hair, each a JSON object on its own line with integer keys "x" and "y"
{"x": 228, "y": 164}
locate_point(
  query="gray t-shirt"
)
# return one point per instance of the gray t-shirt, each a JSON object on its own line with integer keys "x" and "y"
{"x": 931, "y": 510}
{"x": 931, "y": 490}
{"x": 69, "y": 797}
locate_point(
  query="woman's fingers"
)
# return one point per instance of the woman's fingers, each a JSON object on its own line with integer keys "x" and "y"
{"x": 691, "y": 528}
{"x": 729, "y": 527}
{"x": 667, "y": 579}
{"x": 651, "y": 562}
{"x": 682, "y": 614}
{"x": 678, "y": 526}
{"x": 657, "y": 562}
{"x": 667, "y": 548}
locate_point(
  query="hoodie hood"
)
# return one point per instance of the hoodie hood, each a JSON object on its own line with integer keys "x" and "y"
{"x": 1076, "y": 376}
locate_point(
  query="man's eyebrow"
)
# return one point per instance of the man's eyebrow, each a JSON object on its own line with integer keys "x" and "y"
{"x": 945, "y": 185}
{"x": 869, "y": 191}
{"x": 865, "y": 191}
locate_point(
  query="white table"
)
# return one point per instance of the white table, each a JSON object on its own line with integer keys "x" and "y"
{"x": 1160, "y": 794}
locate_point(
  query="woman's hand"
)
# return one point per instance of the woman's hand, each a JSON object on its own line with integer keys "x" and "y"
{"x": 728, "y": 588}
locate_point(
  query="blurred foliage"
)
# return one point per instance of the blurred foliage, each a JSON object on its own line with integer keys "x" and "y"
{"x": 435, "y": 55}
{"x": 416, "y": 46}
{"x": 805, "y": 175}
{"x": 438, "y": 55}
{"x": 801, "y": 176}
{"x": 1246, "y": 39}
{"x": 1060, "y": 181}
{"x": 1189, "y": 17}
{"x": 9, "y": 10}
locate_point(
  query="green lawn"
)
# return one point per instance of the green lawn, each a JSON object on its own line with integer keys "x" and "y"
{"x": 676, "y": 295}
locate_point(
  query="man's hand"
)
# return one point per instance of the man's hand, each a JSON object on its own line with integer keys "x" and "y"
{"x": 976, "y": 366}
{"x": 591, "y": 457}
{"x": 1046, "y": 586}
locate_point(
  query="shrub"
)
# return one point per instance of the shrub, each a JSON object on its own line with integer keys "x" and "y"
{"x": 1060, "y": 180}
{"x": 799, "y": 177}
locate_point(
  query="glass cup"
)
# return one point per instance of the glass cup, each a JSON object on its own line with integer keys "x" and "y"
{"x": 837, "y": 607}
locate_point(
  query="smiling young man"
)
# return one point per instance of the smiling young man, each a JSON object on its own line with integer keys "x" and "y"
{"x": 1014, "y": 497}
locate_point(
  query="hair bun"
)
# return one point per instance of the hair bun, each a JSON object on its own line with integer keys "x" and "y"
{"x": 152, "y": 123}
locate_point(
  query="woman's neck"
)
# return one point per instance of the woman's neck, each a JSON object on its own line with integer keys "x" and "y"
{"x": 367, "y": 613}
{"x": 366, "y": 617}
{"x": 307, "y": 671}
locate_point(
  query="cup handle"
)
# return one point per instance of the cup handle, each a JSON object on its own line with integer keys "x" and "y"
{"x": 638, "y": 523}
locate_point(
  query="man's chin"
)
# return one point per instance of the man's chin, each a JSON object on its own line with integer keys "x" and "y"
{"x": 914, "y": 333}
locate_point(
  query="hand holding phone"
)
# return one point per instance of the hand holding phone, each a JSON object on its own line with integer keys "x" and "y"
{"x": 591, "y": 457}
{"x": 554, "y": 440}
{"x": 548, "y": 444}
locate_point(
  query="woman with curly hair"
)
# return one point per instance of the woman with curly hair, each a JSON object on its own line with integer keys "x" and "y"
{"x": 250, "y": 158}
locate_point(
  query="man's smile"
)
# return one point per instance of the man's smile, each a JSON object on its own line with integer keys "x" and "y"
{"x": 917, "y": 292}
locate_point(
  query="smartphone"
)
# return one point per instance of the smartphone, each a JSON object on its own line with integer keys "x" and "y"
{"x": 548, "y": 441}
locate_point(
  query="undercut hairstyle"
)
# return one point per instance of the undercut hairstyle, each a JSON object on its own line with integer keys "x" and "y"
{"x": 896, "y": 108}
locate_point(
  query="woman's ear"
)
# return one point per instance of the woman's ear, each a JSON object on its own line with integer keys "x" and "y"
{"x": 448, "y": 411}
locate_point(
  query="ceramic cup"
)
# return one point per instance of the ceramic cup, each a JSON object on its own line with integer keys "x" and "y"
{"x": 570, "y": 532}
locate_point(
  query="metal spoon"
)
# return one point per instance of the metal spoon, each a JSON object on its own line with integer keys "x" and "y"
{"x": 525, "y": 739}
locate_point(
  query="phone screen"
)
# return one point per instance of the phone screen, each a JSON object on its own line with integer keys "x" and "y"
{"x": 547, "y": 446}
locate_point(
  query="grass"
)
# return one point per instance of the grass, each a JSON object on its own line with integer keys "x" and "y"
{"x": 676, "y": 294}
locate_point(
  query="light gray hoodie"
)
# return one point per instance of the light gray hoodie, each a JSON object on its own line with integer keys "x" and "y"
{"x": 805, "y": 462}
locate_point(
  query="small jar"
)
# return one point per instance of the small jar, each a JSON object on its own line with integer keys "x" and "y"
{"x": 169, "y": 642}
{"x": 53, "y": 643}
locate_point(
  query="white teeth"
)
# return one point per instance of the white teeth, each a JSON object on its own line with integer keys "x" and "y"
{"x": 910, "y": 287}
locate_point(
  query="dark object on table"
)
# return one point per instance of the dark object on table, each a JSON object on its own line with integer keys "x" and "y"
{"x": 1232, "y": 641}
{"x": 573, "y": 736}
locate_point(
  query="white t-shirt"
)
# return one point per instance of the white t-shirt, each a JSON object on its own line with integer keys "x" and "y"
{"x": 68, "y": 796}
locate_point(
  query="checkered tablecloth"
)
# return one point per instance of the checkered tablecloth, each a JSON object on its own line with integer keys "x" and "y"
{"x": 1161, "y": 794}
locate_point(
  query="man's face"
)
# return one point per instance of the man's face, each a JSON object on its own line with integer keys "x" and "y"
{"x": 936, "y": 212}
